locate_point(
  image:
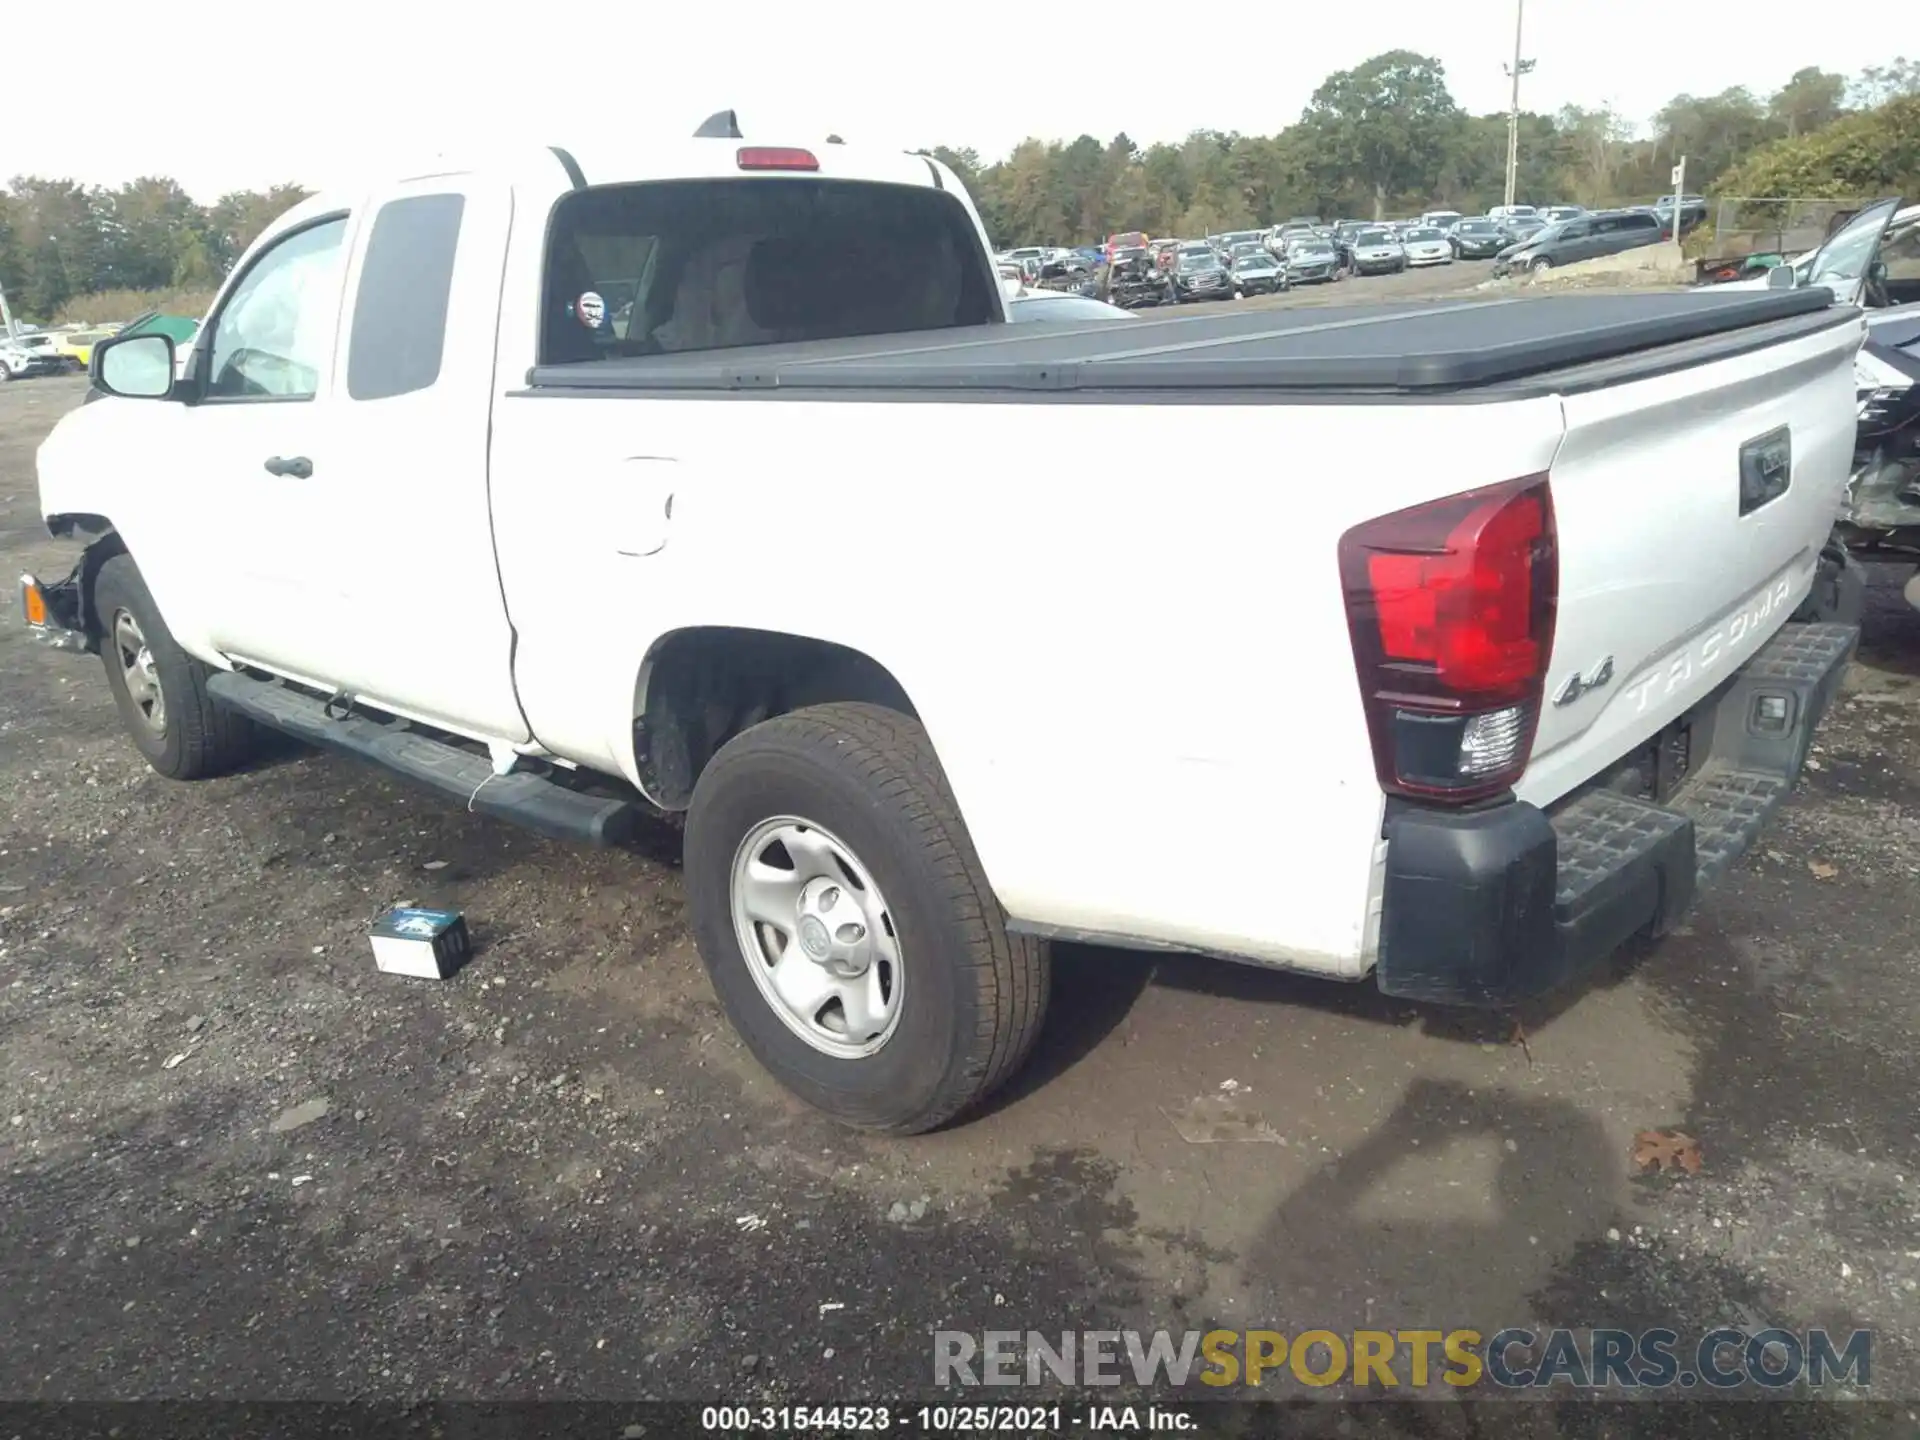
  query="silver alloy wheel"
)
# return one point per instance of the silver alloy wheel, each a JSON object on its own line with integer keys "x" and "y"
{"x": 136, "y": 669}
{"x": 817, "y": 937}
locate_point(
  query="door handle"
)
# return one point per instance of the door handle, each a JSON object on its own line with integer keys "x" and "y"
{"x": 298, "y": 466}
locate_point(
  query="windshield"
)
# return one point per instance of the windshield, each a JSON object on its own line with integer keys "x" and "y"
{"x": 1425, "y": 234}
{"x": 1252, "y": 259}
{"x": 1374, "y": 237}
{"x": 1847, "y": 254}
{"x": 1191, "y": 258}
{"x": 1474, "y": 227}
{"x": 1310, "y": 247}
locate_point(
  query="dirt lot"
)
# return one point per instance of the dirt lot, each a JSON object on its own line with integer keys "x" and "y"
{"x": 235, "y": 1160}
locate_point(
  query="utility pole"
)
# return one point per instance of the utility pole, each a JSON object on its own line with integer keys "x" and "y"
{"x": 6, "y": 316}
{"x": 1518, "y": 68}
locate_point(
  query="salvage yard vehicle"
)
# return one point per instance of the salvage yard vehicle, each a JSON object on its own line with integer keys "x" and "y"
{"x": 1136, "y": 281}
{"x": 1200, "y": 274}
{"x": 420, "y": 495}
{"x": 24, "y": 356}
{"x": 1311, "y": 260}
{"x": 1582, "y": 237}
{"x": 1377, "y": 251}
{"x": 1426, "y": 245}
{"x": 1256, "y": 271}
{"x": 1475, "y": 239}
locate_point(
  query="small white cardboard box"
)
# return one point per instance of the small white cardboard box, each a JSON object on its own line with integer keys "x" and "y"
{"x": 427, "y": 944}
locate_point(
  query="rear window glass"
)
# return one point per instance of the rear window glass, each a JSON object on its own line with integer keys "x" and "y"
{"x": 667, "y": 267}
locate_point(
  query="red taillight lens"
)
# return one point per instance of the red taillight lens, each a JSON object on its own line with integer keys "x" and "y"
{"x": 776, "y": 157}
{"x": 1451, "y": 608}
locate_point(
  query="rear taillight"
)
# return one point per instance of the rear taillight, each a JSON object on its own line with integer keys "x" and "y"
{"x": 775, "y": 157}
{"x": 1451, "y": 608}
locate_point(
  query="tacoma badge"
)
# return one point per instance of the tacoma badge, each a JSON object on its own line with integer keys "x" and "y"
{"x": 1578, "y": 684}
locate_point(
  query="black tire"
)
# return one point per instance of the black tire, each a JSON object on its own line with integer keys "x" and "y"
{"x": 973, "y": 996}
{"x": 195, "y": 739}
{"x": 1539, "y": 265}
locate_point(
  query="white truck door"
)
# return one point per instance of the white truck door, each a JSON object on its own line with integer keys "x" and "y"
{"x": 250, "y": 441}
{"x": 405, "y": 610}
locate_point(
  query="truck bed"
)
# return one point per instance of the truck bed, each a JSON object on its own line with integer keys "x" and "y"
{"x": 1499, "y": 348}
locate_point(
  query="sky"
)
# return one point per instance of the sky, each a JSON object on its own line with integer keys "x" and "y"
{"x": 318, "y": 94}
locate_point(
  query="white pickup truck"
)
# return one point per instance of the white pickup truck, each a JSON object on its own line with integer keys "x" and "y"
{"x": 709, "y": 476}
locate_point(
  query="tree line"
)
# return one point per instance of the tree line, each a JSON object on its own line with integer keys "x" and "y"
{"x": 1387, "y": 138}
{"x": 60, "y": 241}
{"x": 1384, "y": 138}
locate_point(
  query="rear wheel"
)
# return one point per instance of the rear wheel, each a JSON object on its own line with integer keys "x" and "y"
{"x": 161, "y": 690}
{"x": 847, "y": 925}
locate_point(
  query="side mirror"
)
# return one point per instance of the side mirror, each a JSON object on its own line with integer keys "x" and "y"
{"x": 134, "y": 367}
{"x": 1781, "y": 277}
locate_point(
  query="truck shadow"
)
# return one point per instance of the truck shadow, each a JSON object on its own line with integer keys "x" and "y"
{"x": 1374, "y": 1223}
{"x": 1096, "y": 987}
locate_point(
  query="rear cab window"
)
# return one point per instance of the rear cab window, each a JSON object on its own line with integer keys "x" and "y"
{"x": 674, "y": 266}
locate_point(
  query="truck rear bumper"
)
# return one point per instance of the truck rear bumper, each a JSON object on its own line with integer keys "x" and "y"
{"x": 1493, "y": 906}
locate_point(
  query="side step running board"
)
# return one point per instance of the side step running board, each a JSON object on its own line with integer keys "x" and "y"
{"x": 528, "y": 800}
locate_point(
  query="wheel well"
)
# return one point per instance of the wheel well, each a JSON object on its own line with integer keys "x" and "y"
{"x": 701, "y": 687}
{"x": 91, "y": 559}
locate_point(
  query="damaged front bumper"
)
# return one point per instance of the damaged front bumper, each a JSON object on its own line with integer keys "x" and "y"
{"x": 53, "y": 613}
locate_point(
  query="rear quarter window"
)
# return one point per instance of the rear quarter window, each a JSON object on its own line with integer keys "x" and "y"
{"x": 400, "y": 313}
{"x": 668, "y": 267}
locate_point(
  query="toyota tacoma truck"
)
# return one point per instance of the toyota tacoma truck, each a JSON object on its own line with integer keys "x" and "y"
{"x": 709, "y": 477}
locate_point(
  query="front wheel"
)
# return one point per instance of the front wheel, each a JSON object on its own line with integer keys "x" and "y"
{"x": 161, "y": 691}
{"x": 847, "y": 924}
{"x": 1539, "y": 265}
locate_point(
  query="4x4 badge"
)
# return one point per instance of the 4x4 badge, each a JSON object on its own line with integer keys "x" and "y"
{"x": 1578, "y": 684}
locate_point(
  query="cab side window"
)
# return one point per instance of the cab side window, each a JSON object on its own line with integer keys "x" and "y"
{"x": 399, "y": 332}
{"x": 273, "y": 338}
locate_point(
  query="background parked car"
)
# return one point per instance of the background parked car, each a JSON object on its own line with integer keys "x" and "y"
{"x": 1476, "y": 239}
{"x": 1377, "y": 251}
{"x": 1427, "y": 246}
{"x": 1200, "y": 274}
{"x": 26, "y": 355}
{"x": 1584, "y": 237}
{"x": 1518, "y": 228}
{"x": 1257, "y": 272}
{"x": 1312, "y": 259}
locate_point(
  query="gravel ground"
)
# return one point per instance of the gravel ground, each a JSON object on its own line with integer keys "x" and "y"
{"x": 236, "y": 1161}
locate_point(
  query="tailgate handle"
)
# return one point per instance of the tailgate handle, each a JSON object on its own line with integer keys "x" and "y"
{"x": 298, "y": 466}
{"x": 1766, "y": 469}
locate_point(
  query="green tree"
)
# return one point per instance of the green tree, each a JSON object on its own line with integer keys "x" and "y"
{"x": 1713, "y": 131}
{"x": 1877, "y": 84}
{"x": 1384, "y": 125}
{"x": 1860, "y": 156}
{"x": 1811, "y": 98}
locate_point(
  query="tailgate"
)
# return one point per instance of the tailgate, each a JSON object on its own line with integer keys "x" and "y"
{"x": 1666, "y": 586}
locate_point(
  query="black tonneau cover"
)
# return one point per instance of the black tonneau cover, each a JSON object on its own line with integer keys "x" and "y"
{"x": 1410, "y": 348}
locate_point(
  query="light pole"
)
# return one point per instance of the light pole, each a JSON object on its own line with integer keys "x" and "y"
{"x": 1518, "y": 68}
